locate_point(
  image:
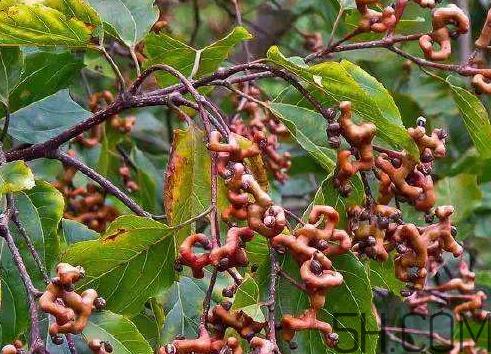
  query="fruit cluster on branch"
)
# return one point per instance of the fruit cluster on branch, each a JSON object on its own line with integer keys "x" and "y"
{"x": 265, "y": 130}
{"x": 378, "y": 228}
{"x": 70, "y": 310}
{"x": 459, "y": 293}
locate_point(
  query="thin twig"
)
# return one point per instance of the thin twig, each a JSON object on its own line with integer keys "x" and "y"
{"x": 294, "y": 216}
{"x": 335, "y": 26}
{"x": 36, "y": 343}
{"x": 71, "y": 343}
{"x": 114, "y": 66}
{"x": 5, "y": 124}
{"x": 22, "y": 230}
{"x": 207, "y": 299}
{"x": 271, "y": 333}
{"x": 106, "y": 184}
{"x": 135, "y": 61}
{"x": 193, "y": 219}
{"x": 290, "y": 279}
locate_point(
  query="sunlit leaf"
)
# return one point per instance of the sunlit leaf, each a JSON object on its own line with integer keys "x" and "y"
{"x": 117, "y": 330}
{"x": 78, "y": 9}
{"x": 131, "y": 262}
{"x": 248, "y": 298}
{"x": 15, "y": 176}
{"x": 163, "y": 49}
{"x": 39, "y": 25}
{"x": 187, "y": 180}
{"x": 40, "y": 211}
{"x": 332, "y": 83}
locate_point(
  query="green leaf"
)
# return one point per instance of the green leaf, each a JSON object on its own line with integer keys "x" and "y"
{"x": 382, "y": 275}
{"x": 332, "y": 83}
{"x": 257, "y": 250}
{"x": 73, "y": 232}
{"x": 131, "y": 262}
{"x": 119, "y": 331}
{"x": 14, "y": 312}
{"x": 308, "y": 128}
{"x": 187, "y": 180}
{"x": 248, "y": 299}
{"x": 15, "y": 176}
{"x": 163, "y": 49}
{"x": 130, "y": 20}
{"x": 148, "y": 326}
{"x": 183, "y": 305}
{"x": 461, "y": 191}
{"x": 147, "y": 193}
{"x": 348, "y": 306}
{"x": 475, "y": 118}
{"x": 47, "y": 118}
{"x": 376, "y": 91}
{"x": 11, "y": 61}
{"x": 327, "y": 194}
{"x": 44, "y": 74}
{"x": 471, "y": 329}
{"x": 77, "y": 9}
{"x": 39, "y": 25}
{"x": 40, "y": 211}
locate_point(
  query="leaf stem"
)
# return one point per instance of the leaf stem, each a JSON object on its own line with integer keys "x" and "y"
{"x": 114, "y": 66}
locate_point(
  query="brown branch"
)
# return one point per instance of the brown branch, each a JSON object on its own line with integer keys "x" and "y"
{"x": 36, "y": 343}
{"x": 106, "y": 184}
{"x": 22, "y": 230}
{"x": 271, "y": 333}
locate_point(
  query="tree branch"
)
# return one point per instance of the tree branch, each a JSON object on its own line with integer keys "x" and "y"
{"x": 106, "y": 184}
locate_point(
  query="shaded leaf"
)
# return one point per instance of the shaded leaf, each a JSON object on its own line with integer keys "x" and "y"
{"x": 145, "y": 172}
{"x": 43, "y": 120}
{"x": 73, "y": 232}
{"x": 163, "y": 49}
{"x": 39, "y": 25}
{"x": 332, "y": 83}
{"x": 382, "y": 275}
{"x": 130, "y": 20}
{"x": 40, "y": 211}
{"x": 117, "y": 330}
{"x": 14, "y": 314}
{"x": 183, "y": 306}
{"x": 131, "y": 262}
{"x": 460, "y": 191}
{"x": 327, "y": 194}
{"x": 44, "y": 74}
{"x": 309, "y": 130}
{"x": 475, "y": 118}
{"x": 348, "y": 306}
{"x": 11, "y": 61}
{"x": 15, "y": 176}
